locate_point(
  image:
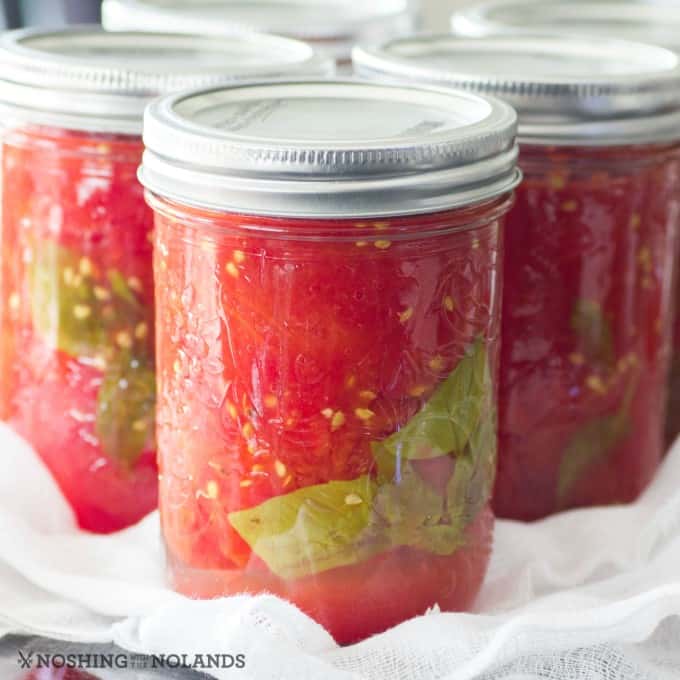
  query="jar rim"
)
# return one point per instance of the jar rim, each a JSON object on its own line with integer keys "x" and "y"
{"x": 329, "y": 148}
{"x": 344, "y": 229}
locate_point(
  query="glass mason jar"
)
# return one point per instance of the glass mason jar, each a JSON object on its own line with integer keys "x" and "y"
{"x": 590, "y": 253}
{"x": 328, "y": 311}
{"x": 586, "y": 326}
{"x": 332, "y": 28}
{"x": 673, "y": 405}
{"x": 652, "y": 21}
{"x": 76, "y": 282}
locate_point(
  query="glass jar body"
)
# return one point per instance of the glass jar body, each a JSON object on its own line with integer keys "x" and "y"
{"x": 673, "y": 404}
{"x": 586, "y": 327}
{"x": 76, "y": 347}
{"x": 326, "y": 416}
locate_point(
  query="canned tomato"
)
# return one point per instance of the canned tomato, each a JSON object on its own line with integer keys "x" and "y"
{"x": 328, "y": 261}
{"x": 589, "y": 256}
{"x": 76, "y": 283}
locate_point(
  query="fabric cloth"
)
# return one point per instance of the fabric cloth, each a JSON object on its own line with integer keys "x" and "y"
{"x": 592, "y": 594}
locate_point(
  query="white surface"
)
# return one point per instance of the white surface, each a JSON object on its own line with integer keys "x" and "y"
{"x": 592, "y": 594}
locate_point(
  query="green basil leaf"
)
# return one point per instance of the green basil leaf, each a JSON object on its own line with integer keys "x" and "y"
{"x": 463, "y": 504}
{"x": 447, "y": 421}
{"x": 341, "y": 523}
{"x": 443, "y": 539}
{"x": 95, "y": 315}
{"x": 417, "y": 516}
{"x": 405, "y": 507}
{"x": 483, "y": 449}
{"x": 458, "y": 494}
{"x": 312, "y": 529}
{"x": 80, "y": 313}
{"x": 592, "y": 444}
{"x": 594, "y": 331}
{"x": 120, "y": 288}
{"x": 125, "y": 408}
{"x": 471, "y": 486}
{"x": 63, "y": 304}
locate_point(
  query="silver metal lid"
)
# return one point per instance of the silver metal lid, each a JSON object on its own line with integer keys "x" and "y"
{"x": 86, "y": 78}
{"x": 653, "y": 21}
{"x": 567, "y": 90}
{"x": 334, "y": 26}
{"x": 339, "y": 148}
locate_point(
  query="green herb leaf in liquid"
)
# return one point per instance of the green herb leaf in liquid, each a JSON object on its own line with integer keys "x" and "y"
{"x": 311, "y": 529}
{"x": 446, "y": 422}
{"x": 593, "y": 443}
{"x": 594, "y": 331}
{"x": 63, "y": 303}
{"x": 125, "y": 408}
{"x": 79, "y": 312}
{"x": 342, "y": 523}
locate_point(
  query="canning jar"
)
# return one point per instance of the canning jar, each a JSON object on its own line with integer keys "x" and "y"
{"x": 328, "y": 309}
{"x": 652, "y": 21}
{"x": 333, "y": 28}
{"x": 590, "y": 251}
{"x": 76, "y": 284}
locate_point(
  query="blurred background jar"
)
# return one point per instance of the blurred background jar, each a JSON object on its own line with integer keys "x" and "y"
{"x": 651, "y": 21}
{"x": 77, "y": 375}
{"x": 332, "y": 26}
{"x": 590, "y": 255}
{"x": 18, "y": 13}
